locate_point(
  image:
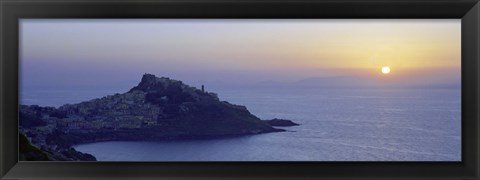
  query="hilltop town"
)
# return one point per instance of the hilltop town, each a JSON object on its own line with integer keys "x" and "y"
{"x": 155, "y": 109}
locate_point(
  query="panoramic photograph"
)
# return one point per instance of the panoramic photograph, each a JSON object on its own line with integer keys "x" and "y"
{"x": 240, "y": 90}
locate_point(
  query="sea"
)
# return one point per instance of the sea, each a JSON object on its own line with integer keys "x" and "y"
{"x": 336, "y": 124}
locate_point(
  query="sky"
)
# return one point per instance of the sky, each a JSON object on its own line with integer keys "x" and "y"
{"x": 87, "y": 53}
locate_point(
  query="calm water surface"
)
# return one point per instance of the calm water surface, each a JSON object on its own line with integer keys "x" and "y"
{"x": 336, "y": 125}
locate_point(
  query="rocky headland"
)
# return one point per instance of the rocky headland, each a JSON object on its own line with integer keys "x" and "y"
{"x": 158, "y": 108}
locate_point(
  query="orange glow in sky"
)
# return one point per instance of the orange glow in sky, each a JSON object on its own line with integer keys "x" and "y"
{"x": 262, "y": 49}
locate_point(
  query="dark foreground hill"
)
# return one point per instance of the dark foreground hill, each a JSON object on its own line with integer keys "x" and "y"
{"x": 28, "y": 152}
{"x": 155, "y": 109}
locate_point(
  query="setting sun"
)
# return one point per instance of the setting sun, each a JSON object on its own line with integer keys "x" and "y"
{"x": 385, "y": 69}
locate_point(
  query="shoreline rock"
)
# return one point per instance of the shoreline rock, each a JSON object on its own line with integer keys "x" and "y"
{"x": 281, "y": 122}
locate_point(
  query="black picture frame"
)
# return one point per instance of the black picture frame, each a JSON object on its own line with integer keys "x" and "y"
{"x": 466, "y": 10}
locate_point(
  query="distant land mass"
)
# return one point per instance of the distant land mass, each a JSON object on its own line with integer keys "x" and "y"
{"x": 360, "y": 82}
{"x": 155, "y": 109}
